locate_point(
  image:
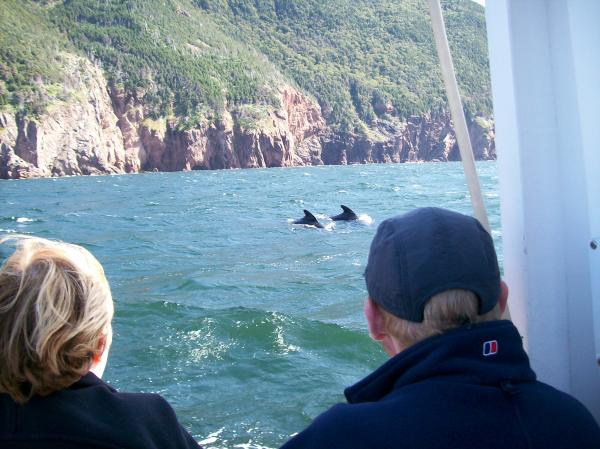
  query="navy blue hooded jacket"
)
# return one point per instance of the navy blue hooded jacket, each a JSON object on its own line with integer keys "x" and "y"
{"x": 90, "y": 414}
{"x": 468, "y": 388}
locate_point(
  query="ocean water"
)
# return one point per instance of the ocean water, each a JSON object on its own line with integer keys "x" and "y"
{"x": 249, "y": 325}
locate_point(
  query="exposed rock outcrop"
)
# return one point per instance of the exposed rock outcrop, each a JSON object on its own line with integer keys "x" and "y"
{"x": 429, "y": 137}
{"x": 277, "y": 138}
{"x": 76, "y": 137}
{"x": 101, "y": 131}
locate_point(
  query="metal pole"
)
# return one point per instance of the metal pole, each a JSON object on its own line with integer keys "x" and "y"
{"x": 456, "y": 110}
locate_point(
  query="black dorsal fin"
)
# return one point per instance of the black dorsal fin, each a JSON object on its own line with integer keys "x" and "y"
{"x": 307, "y": 214}
{"x": 347, "y": 209}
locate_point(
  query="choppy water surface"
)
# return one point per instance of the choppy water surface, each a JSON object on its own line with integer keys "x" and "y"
{"x": 247, "y": 324}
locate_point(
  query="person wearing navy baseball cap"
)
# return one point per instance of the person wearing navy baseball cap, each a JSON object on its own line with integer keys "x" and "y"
{"x": 458, "y": 376}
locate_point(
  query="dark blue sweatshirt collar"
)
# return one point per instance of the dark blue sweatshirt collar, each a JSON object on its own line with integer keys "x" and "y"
{"x": 90, "y": 380}
{"x": 484, "y": 354}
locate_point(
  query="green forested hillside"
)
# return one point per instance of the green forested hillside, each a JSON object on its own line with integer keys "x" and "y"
{"x": 357, "y": 56}
{"x": 364, "y": 60}
{"x": 31, "y": 58}
{"x": 168, "y": 52}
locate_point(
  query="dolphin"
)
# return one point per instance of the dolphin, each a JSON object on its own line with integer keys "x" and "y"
{"x": 309, "y": 219}
{"x": 347, "y": 215}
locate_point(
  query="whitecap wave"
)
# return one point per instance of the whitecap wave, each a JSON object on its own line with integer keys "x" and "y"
{"x": 283, "y": 346}
{"x": 204, "y": 344}
{"x": 211, "y": 437}
{"x": 251, "y": 445}
{"x": 24, "y": 220}
{"x": 365, "y": 219}
{"x": 329, "y": 226}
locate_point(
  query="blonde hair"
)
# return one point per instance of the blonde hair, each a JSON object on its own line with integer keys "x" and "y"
{"x": 55, "y": 305}
{"x": 446, "y": 310}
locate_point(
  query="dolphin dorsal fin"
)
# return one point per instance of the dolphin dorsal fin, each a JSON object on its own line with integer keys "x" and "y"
{"x": 347, "y": 209}
{"x": 307, "y": 214}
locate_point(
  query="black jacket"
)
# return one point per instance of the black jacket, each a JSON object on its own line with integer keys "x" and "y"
{"x": 91, "y": 414}
{"x": 468, "y": 388}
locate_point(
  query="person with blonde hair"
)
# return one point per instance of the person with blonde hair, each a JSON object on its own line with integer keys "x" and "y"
{"x": 55, "y": 334}
{"x": 458, "y": 376}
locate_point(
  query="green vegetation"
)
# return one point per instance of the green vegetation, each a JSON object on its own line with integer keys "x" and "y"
{"x": 483, "y": 123}
{"x": 168, "y": 53}
{"x": 360, "y": 56}
{"x": 159, "y": 125}
{"x": 363, "y": 60}
{"x": 31, "y": 58}
{"x": 253, "y": 116}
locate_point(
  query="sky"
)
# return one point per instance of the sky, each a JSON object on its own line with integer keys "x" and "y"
{"x": 481, "y": 2}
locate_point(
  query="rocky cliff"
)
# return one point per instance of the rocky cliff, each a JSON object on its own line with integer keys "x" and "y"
{"x": 429, "y": 137}
{"x": 78, "y": 136}
{"x": 102, "y": 130}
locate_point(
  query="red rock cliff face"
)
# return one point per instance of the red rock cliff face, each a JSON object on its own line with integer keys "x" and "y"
{"x": 100, "y": 133}
{"x": 103, "y": 131}
{"x": 284, "y": 137}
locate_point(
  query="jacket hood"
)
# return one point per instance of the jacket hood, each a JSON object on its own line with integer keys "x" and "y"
{"x": 487, "y": 354}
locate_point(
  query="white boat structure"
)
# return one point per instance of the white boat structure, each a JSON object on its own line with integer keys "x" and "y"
{"x": 545, "y": 69}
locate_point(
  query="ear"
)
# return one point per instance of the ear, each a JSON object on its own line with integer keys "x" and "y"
{"x": 503, "y": 299}
{"x": 374, "y": 320}
{"x": 100, "y": 349}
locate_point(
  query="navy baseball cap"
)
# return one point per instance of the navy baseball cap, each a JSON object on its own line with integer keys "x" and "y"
{"x": 426, "y": 251}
